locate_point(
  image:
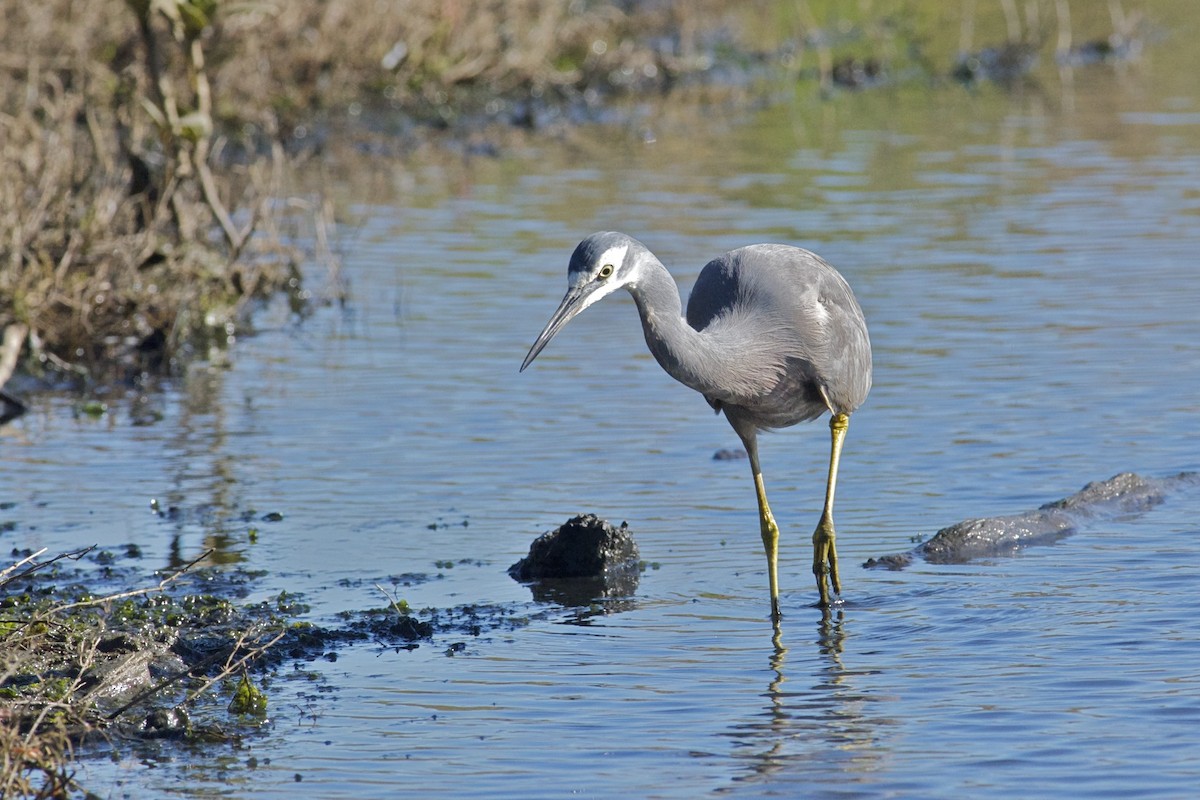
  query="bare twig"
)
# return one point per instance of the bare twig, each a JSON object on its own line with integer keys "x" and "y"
{"x": 74, "y": 555}
{"x": 391, "y": 600}
{"x": 213, "y": 198}
{"x": 162, "y": 585}
{"x": 19, "y": 564}
{"x": 65, "y": 366}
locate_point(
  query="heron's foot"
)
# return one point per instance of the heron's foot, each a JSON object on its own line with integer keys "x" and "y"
{"x": 825, "y": 561}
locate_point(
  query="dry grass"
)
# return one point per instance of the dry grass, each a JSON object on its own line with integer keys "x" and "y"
{"x": 433, "y": 53}
{"x": 123, "y": 232}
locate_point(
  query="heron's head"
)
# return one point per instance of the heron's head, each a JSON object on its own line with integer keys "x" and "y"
{"x": 601, "y": 264}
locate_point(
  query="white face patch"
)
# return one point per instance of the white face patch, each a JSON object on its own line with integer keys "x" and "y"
{"x": 614, "y": 256}
{"x": 601, "y": 291}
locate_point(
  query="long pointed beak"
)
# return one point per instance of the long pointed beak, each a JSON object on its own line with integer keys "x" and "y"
{"x": 572, "y": 303}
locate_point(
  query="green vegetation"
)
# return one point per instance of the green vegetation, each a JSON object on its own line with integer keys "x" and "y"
{"x": 248, "y": 698}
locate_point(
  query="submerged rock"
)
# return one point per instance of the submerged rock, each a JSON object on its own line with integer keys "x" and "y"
{"x": 585, "y": 559}
{"x": 1126, "y": 493}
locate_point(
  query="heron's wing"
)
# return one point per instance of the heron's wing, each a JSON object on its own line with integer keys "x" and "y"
{"x": 793, "y": 327}
{"x": 717, "y": 291}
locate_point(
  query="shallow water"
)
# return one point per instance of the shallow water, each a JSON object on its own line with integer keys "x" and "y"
{"x": 1027, "y": 263}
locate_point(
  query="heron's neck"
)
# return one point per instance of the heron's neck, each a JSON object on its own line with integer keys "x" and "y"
{"x": 678, "y": 348}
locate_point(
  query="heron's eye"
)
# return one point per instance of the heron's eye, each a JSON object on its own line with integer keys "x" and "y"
{"x": 605, "y": 272}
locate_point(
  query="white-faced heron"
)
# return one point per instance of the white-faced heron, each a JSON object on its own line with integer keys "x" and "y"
{"x": 773, "y": 336}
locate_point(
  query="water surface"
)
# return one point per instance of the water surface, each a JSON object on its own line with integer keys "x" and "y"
{"x": 1027, "y": 263}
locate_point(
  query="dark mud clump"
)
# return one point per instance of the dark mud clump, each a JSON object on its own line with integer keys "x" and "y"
{"x": 1123, "y": 494}
{"x": 583, "y": 560}
{"x": 585, "y": 546}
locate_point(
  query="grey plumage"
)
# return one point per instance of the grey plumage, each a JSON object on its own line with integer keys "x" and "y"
{"x": 799, "y": 332}
{"x": 773, "y": 336}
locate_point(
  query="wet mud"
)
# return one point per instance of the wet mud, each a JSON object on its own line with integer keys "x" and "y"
{"x": 1121, "y": 495}
{"x": 148, "y": 665}
{"x": 584, "y": 560}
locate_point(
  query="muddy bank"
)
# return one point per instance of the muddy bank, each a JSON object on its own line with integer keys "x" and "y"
{"x": 121, "y": 656}
{"x": 1124, "y": 494}
{"x": 89, "y": 666}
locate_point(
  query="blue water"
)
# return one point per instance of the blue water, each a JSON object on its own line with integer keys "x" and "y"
{"x": 1028, "y": 269}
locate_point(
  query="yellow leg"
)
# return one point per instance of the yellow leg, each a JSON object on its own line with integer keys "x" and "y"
{"x": 824, "y": 549}
{"x": 770, "y": 537}
{"x": 766, "y": 521}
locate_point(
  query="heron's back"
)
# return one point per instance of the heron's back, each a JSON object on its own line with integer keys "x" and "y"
{"x": 796, "y": 327}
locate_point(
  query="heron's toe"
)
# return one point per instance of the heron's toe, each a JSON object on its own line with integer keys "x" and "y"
{"x": 825, "y": 566}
